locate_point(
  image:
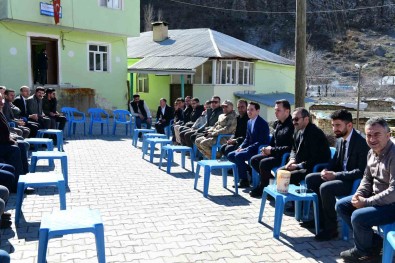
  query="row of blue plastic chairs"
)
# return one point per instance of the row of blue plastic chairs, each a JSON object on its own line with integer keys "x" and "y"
{"x": 100, "y": 116}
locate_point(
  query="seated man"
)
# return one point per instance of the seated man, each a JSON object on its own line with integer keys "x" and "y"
{"x": 50, "y": 109}
{"x": 34, "y": 105}
{"x": 257, "y": 134}
{"x": 5, "y": 217}
{"x": 141, "y": 112}
{"x": 241, "y": 129}
{"x": 164, "y": 115}
{"x": 212, "y": 117}
{"x": 20, "y": 103}
{"x": 9, "y": 96}
{"x": 189, "y": 119}
{"x": 191, "y": 127}
{"x": 226, "y": 124}
{"x": 281, "y": 142}
{"x": 373, "y": 204}
{"x": 347, "y": 165}
{"x": 310, "y": 147}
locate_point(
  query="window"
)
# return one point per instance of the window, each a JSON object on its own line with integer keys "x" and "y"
{"x": 176, "y": 79}
{"x": 98, "y": 58}
{"x": 226, "y": 70}
{"x": 246, "y": 70}
{"x": 142, "y": 83}
{"x": 204, "y": 73}
{"x": 113, "y": 4}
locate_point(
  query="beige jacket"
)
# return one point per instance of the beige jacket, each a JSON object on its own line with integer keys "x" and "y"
{"x": 226, "y": 124}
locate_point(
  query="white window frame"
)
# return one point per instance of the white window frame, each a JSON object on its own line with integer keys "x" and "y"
{"x": 145, "y": 79}
{"x": 248, "y": 69}
{"x": 229, "y": 77}
{"x": 98, "y": 44}
{"x": 112, "y": 4}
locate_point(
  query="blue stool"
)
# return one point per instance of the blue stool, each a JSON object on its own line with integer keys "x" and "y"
{"x": 146, "y": 136}
{"x": 136, "y": 134}
{"x": 152, "y": 142}
{"x": 170, "y": 149}
{"x": 50, "y": 156}
{"x": 59, "y": 136}
{"x": 281, "y": 199}
{"x": 40, "y": 141}
{"x": 39, "y": 180}
{"x": 209, "y": 165}
{"x": 79, "y": 220}
{"x": 389, "y": 246}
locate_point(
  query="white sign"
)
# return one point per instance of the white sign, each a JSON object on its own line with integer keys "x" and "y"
{"x": 47, "y": 10}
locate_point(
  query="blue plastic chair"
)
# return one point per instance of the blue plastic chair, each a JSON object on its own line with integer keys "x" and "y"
{"x": 122, "y": 117}
{"x": 50, "y": 156}
{"x": 95, "y": 115}
{"x": 75, "y": 221}
{"x": 209, "y": 165}
{"x": 389, "y": 247}
{"x": 39, "y": 180}
{"x": 218, "y": 145}
{"x": 11, "y": 124}
{"x": 170, "y": 149}
{"x": 168, "y": 129}
{"x": 73, "y": 117}
{"x": 255, "y": 178}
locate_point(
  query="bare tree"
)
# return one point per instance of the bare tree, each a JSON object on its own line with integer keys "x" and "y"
{"x": 148, "y": 17}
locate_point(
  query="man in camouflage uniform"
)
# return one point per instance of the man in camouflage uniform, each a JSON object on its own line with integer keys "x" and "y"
{"x": 226, "y": 124}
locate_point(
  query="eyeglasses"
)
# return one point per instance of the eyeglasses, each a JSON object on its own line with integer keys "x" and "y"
{"x": 215, "y": 101}
{"x": 296, "y": 119}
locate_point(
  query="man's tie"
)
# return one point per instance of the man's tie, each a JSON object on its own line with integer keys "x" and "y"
{"x": 343, "y": 153}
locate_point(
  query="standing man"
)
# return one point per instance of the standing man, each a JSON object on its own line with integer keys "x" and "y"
{"x": 374, "y": 202}
{"x": 49, "y": 108}
{"x": 347, "y": 165}
{"x": 257, "y": 134}
{"x": 310, "y": 147}
{"x": 34, "y": 105}
{"x": 164, "y": 115}
{"x": 141, "y": 112}
{"x": 281, "y": 142}
{"x": 241, "y": 129}
{"x": 226, "y": 124}
{"x": 43, "y": 66}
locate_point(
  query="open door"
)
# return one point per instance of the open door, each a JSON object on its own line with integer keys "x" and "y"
{"x": 45, "y": 67}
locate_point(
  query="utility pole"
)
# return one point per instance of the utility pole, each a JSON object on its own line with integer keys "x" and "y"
{"x": 360, "y": 68}
{"x": 300, "y": 51}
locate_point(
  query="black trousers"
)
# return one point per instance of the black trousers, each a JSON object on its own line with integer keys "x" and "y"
{"x": 263, "y": 165}
{"x": 227, "y": 148}
{"x": 327, "y": 192}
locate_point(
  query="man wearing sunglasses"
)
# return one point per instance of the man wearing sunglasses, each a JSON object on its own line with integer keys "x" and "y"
{"x": 310, "y": 147}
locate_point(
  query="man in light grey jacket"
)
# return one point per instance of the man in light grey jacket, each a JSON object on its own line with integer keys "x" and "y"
{"x": 373, "y": 204}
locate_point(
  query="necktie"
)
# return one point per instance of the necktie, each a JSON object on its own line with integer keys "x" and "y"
{"x": 343, "y": 153}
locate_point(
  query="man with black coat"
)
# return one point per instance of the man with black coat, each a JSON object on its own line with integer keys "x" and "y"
{"x": 164, "y": 115}
{"x": 141, "y": 112}
{"x": 180, "y": 130}
{"x": 280, "y": 143}
{"x": 347, "y": 165}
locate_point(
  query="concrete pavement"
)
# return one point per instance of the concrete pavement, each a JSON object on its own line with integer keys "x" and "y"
{"x": 151, "y": 216}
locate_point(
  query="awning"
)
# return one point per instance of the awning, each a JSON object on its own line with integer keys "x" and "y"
{"x": 269, "y": 99}
{"x": 175, "y": 65}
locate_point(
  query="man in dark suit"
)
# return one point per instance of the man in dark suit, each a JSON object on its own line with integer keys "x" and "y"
{"x": 310, "y": 147}
{"x": 20, "y": 102}
{"x": 164, "y": 115}
{"x": 257, "y": 134}
{"x": 281, "y": 142}
{"x": 347, "y": 165}
{"x": 34, "y": 105}
{"x": 8, "y": 111}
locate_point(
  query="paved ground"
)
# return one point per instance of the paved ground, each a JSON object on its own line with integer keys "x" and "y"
{"x": 151, "y": 216}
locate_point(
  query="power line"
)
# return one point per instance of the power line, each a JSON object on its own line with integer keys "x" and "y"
{"x": 281, "y": 12}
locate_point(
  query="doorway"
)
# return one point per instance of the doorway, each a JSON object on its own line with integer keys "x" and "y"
{"x": 175, "y": 91}
{"x": 45, "y": 68}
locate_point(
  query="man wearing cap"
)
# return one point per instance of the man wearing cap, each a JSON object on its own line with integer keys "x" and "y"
{"x": 141, "y": 112}
{"x": 226, "y": 124}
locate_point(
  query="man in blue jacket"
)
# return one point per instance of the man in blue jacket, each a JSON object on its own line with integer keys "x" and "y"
{"x": 257, "y": 134}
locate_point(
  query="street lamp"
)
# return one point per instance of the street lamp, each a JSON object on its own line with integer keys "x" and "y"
{"x": 360, "y": 68}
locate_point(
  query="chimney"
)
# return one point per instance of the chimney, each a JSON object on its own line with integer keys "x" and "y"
{"x": 159, "y": 31}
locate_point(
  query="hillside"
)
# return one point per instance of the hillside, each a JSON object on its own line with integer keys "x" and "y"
{"x": 337, "y": 39}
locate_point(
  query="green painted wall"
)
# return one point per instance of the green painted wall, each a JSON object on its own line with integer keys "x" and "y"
{"x": 270, "y": 77}
{"x": 79, "y": 15}
{"x": 111, "y": 87}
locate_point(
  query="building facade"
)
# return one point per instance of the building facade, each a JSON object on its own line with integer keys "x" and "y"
{"x": 86, "y": 50}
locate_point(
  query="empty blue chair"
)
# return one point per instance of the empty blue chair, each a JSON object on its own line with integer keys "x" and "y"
{"x": 73, "y": 117}
{"x": 122, "y": 117}
{"x": 389, "y": 247}
{"x": 98, "y": 115}
{"x": 75, "y": 221}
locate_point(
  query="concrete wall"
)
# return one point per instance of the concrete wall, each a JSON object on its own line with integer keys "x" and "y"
{"x": 270, "y": 77}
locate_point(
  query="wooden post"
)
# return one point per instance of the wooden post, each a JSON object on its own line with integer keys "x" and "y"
{"x": 300, "y": 52}
{"x": 182, "y": 87}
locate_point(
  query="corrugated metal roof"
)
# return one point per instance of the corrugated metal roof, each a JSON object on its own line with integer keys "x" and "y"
{"x": 181, "y": 63}
{"x": 270, "y": 98}
{"x": 200, "y": 42}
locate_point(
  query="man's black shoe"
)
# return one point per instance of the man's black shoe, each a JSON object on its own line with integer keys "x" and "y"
{"x": 243, "y": 183}
{"x": 326, "y": 235}
{"x": 354, "y": 255}
{"x": 256, "y": 192}
{"x": 307, "y": 224}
